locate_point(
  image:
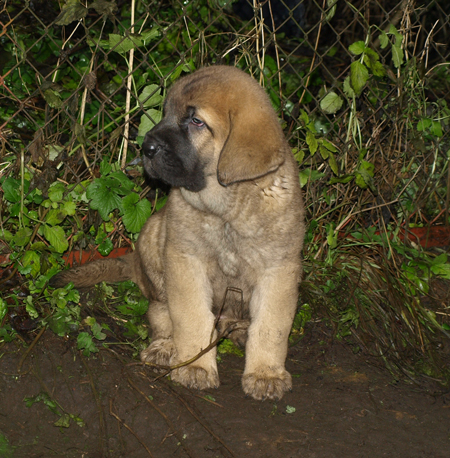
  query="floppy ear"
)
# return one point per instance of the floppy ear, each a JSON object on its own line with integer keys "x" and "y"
{"x": 255, "y": 147}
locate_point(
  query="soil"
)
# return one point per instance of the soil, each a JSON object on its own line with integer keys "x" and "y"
{"x": 340, "y": 406}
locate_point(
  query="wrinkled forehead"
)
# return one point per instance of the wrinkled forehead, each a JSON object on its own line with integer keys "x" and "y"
{"x": 203, "y": 92}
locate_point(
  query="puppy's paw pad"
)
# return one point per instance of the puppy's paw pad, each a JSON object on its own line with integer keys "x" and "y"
{"x": 196, "y": 377}
{"x": 267, "y": 384}
{"x": 160, "y": 352}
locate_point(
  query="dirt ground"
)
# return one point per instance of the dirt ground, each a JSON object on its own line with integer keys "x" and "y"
{"x": 340, "y": 407}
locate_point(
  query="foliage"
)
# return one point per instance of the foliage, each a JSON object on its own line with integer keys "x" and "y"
{"x": 71, "y": 176}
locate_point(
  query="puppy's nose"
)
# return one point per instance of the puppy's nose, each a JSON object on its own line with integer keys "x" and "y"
{"x": 151, "y": 147}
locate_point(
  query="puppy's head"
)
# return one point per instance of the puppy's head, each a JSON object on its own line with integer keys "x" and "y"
{"x": 217, "y": 122}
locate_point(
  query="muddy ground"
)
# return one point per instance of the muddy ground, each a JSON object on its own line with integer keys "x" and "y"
{"x": 340, "y": 406}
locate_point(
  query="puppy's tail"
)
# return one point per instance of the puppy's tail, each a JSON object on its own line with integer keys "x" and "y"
{"x": 111, "y": 270}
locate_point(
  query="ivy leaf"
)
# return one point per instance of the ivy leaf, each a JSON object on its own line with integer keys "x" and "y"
{"x": 73, "y": 10}
{"x": 105, "y": 247}
{"x": 331, "y": 103}
{"x": 358, "y": 76}
{"x": 103, "y": 193}
{"x": 56, "y": 237}
{"x": 135, "y": 212}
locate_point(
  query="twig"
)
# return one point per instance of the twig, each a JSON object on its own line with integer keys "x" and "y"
{"x": 167, "y": 420}
{"x": 189, "y": 409}
{"x": 127, "y": 427}
{"x": 128, "y": 95}
{"x": 27, "y": 352}
{"x": 103, "y": 441}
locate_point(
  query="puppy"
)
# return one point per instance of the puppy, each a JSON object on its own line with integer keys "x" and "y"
{"x": 227, "y": 242}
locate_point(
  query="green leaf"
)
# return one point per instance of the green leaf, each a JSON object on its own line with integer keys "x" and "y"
{"x": 85, "y": 343}
{"x": 397, "y": 56}
{"x": 436, "y": 129}
{"x": 103, "y": 193}
{"x": 331, "y": 4}
{"x": 105, "y": 167}
{"x": 309, "y": 175}
{"x": 149, "y": 120}
{"x": 323, "y": 152}
{"x": 332, "y": 163}
{"x": 304, "y": 117}
{"x": 56, "y": 237}
{"x": 312, "y": 142}
{"x": 343, "y": 179}
{"x": 357, "y": 48}
{"x": 423, "y": 124}
{"x": 348, "y": 90}
{"x": 384, "y": 39}
{"x": 290, "y": 409}
{"x": 53, "y": 98}
{"x": 63, "y": 422}
{"x": 105, "y": 247}
{"x": 104, "y": 7}
{"x": 151, "y": 96}
{"x": 69, "y": 208}
{"x": 22, "y": 236}
{"x": 3, "y": 309}
{"x": 331, "y": 103}
{"x": 329, "y": 146}
{"x": 31, "y": 310}
{"x": 135, "y": 212}
{"x": 31, "y": 258}
{"x": 6, "y": 451}
{"x": 73, "y": 10}
{"x": 150, "y": 35}
{"x": 54, "y": 217}
{"x": 56, "y": 191}
{"x": 97, "y": 332}
{"x": 122, "y": 44}
{"x": 358, "y": 76}
{"x": 364, "y": 175}
{"x": 11, "y": 189}
{"x": 378, "y": 69}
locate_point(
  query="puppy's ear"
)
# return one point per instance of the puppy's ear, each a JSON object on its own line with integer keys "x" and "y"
{"x": 255, "y": 147}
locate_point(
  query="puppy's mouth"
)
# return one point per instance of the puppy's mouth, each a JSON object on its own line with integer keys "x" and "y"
{"x": 176, "y": 169}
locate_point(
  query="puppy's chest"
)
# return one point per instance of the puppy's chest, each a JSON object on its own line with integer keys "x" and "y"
{"x": 233, "y": 251}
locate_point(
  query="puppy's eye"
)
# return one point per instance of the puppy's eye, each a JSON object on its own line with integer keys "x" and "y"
{"x": 197, "y": 122}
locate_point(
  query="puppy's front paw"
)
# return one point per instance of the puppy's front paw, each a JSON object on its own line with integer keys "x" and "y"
{"x": 196, "y": 377}
{"x": 267, "y": 383}
{"x": 160, "y": 351}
